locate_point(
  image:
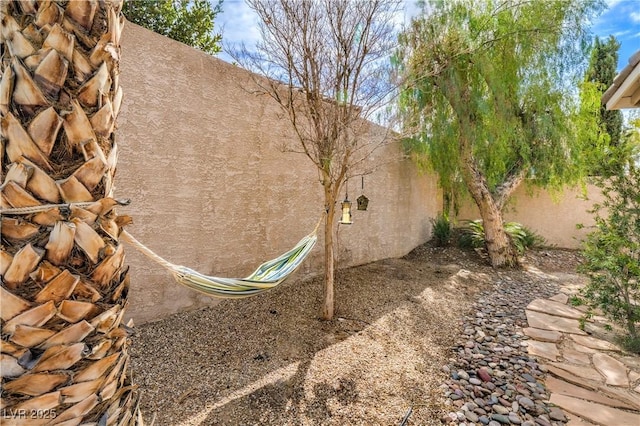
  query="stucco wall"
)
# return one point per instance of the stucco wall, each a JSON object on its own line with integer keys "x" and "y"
{"x": 201, "y": 160}
{"x": 553, "y": 217}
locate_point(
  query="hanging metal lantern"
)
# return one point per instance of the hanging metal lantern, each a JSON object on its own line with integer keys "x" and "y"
{"x": 362, "y": 202}
{"x": 346, "y": 212}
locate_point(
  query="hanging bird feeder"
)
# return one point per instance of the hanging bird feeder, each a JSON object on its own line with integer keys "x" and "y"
{"x": 346, "y": 212}
{"x": 362, "y": 200}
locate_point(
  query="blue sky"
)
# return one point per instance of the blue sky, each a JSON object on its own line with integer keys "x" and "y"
{"x": 622, "y": 19}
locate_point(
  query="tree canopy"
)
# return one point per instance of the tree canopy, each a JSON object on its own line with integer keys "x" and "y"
{"x": 489, "y": 96}
{"x": 187, "y": 21}
{"x": 598, "y": 77}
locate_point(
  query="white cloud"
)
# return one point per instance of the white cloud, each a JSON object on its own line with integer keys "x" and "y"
{"x": 621, "y": 33}
{"x": 635, "y": 16}
{"x": 238, "y": 24}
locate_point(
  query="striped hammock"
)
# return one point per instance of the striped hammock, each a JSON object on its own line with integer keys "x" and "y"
{"x": 267, "y": 276}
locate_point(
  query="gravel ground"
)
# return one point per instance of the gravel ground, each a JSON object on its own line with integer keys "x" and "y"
{"x": 397, "y": 345}
{"x": 493, "y": 380}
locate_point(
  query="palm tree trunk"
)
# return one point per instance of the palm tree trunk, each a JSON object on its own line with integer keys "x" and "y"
{"x": 64, "y": 283}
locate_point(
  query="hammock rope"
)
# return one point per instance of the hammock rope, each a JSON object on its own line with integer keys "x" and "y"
{"x": 267, "y": 276}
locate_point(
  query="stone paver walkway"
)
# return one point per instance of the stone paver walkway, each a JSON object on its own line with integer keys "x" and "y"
{"x": 587, "y": 377}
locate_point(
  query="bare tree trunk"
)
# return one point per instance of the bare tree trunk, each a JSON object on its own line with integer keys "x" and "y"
{"x": 328, "y": 289}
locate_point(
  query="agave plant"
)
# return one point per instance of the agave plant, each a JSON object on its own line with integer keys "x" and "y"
{"x": 64, "y": 284}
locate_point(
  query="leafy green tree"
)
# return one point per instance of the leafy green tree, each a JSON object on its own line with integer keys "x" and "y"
{"x": 187, "y": 21}
{"x": 612, "y": 250}
{"x": 601, "y": 72}
{"x": 487, "y": 99}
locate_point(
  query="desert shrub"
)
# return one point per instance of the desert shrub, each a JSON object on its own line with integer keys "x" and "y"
{"x": 441, "y": 233}
{"x": 472, "y": 235}
{"x": 523, "y": 238}
{"x": 612, "y": 253}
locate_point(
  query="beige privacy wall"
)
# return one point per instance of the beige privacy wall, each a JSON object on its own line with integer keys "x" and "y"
{"x": 201, "y": 159}
{"x": 554, "y": 218}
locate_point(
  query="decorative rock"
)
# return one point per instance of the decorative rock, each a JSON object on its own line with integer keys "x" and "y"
{"x": 449, "y": 417}
{"x": 556, "y": 414}
{"x": 515, "y": 419}
{"x": 500, "y": 409}
{"x": 542, "y": 421}
{"x": 500, "y": 418}
{"x": 614, "y": 371}
{"x": 526, "y": 403}
{"x": 484, "y": 375}
{"x": 490, "y": 368}
{"x": 471, "y": 416}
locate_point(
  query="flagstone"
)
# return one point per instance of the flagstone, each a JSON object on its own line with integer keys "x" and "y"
{"x": 580, "y": 348}
{"x": 614, "y": 372}
{"x": 552, "y": 307}
{"x": 562, "y": 387}
{"x": 637, "y": 389}
{"x": 574, "y": 356}
{"x": 551, "y": 322}
{"x": 625, "y": 395}
{"x": 593, "y": 343}
{"x": 634, "y": 376}
{"x": 597, "y": 413}
{"x": 543, "y": 335}
{"x": 581, "y": 371}
{"x": 543, "y": 349}
{"x": 560, "y": 297}
{"x": 572, "y": 378}
{"x": 573, "y": 420}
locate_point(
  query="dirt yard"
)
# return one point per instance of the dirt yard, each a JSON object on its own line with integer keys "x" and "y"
{"x": 268, "y": 360}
